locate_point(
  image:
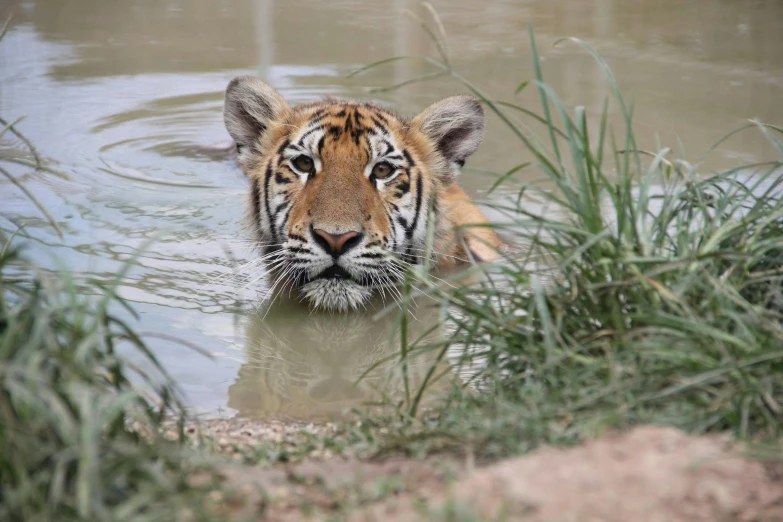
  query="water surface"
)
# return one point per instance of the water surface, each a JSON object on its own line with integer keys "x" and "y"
{"x": 125, "y": 97}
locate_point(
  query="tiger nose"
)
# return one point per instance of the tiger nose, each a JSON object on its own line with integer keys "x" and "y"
{"x": 336, "y": 244}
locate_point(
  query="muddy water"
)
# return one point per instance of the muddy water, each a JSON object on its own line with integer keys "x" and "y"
{"x": 125, "y": 98}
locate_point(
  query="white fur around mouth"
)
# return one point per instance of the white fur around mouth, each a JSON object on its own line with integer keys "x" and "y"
{"x": 336, "y": 294}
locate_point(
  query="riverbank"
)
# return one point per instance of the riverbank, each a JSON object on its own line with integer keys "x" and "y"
{"x": 648, "y": 473}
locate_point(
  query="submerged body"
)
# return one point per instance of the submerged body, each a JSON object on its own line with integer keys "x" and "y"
{"x": 344, "y": 194}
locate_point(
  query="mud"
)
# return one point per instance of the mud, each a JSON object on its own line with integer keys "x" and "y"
{"x": 650, "y": 474}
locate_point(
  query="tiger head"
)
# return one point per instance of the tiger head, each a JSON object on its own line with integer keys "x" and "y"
{"x": 343, "y": 194}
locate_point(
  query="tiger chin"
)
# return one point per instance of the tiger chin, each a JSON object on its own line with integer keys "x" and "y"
{"x": 344, "y": 195}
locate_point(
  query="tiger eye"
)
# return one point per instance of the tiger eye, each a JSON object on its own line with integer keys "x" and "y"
{"x": 304, "y": 163}
{"x": 382, "y": 170}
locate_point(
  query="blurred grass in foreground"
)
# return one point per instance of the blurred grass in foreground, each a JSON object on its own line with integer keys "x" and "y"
{"x": 80, "y": 440}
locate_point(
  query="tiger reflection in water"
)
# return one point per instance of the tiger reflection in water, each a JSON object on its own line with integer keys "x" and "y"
{"x": 305, "y": 365}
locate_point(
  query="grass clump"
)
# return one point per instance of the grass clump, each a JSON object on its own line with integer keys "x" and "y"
{"x": 665, "y": 311}
{"x": 648, "y": 292}
{"x": 80, "y": 424}
{"x": 78, "y": 440}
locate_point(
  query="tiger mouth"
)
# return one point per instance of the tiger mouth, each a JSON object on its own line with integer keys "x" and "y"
{"x": 336, "y": 294}
{"x": 338, "y": 274}
{"x": 336, "y": 287}
{"x": 335, "y": 272}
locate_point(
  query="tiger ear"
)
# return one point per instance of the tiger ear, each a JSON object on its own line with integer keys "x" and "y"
{"x": 251, "y": 105}
{"x": 455, "y": 125}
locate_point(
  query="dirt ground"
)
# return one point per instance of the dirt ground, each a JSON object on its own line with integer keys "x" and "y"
{"x": 649, "y": 474}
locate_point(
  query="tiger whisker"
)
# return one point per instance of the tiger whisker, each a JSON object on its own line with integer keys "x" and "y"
{"x": 399, "y": 272}
{"x": 280, "y": 279}
{"x": 409, "y": 265}
{"x": 239, "y": 272}
{"x": 243, "y": 274}
{"x": 250, "y": 278}
{"x": 441, "y": 254}
{"x": 255, "y": 277}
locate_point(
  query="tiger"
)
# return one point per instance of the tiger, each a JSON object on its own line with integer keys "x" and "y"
{"x": 345, "y": 194}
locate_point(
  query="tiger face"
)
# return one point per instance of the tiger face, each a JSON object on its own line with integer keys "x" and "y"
{"x": 343, "y": 194}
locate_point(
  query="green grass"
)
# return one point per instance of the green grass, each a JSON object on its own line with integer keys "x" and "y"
{"x": 648, "y": 291}
{"x": 80, "y": 425}
{"x": 78, "y": 439}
